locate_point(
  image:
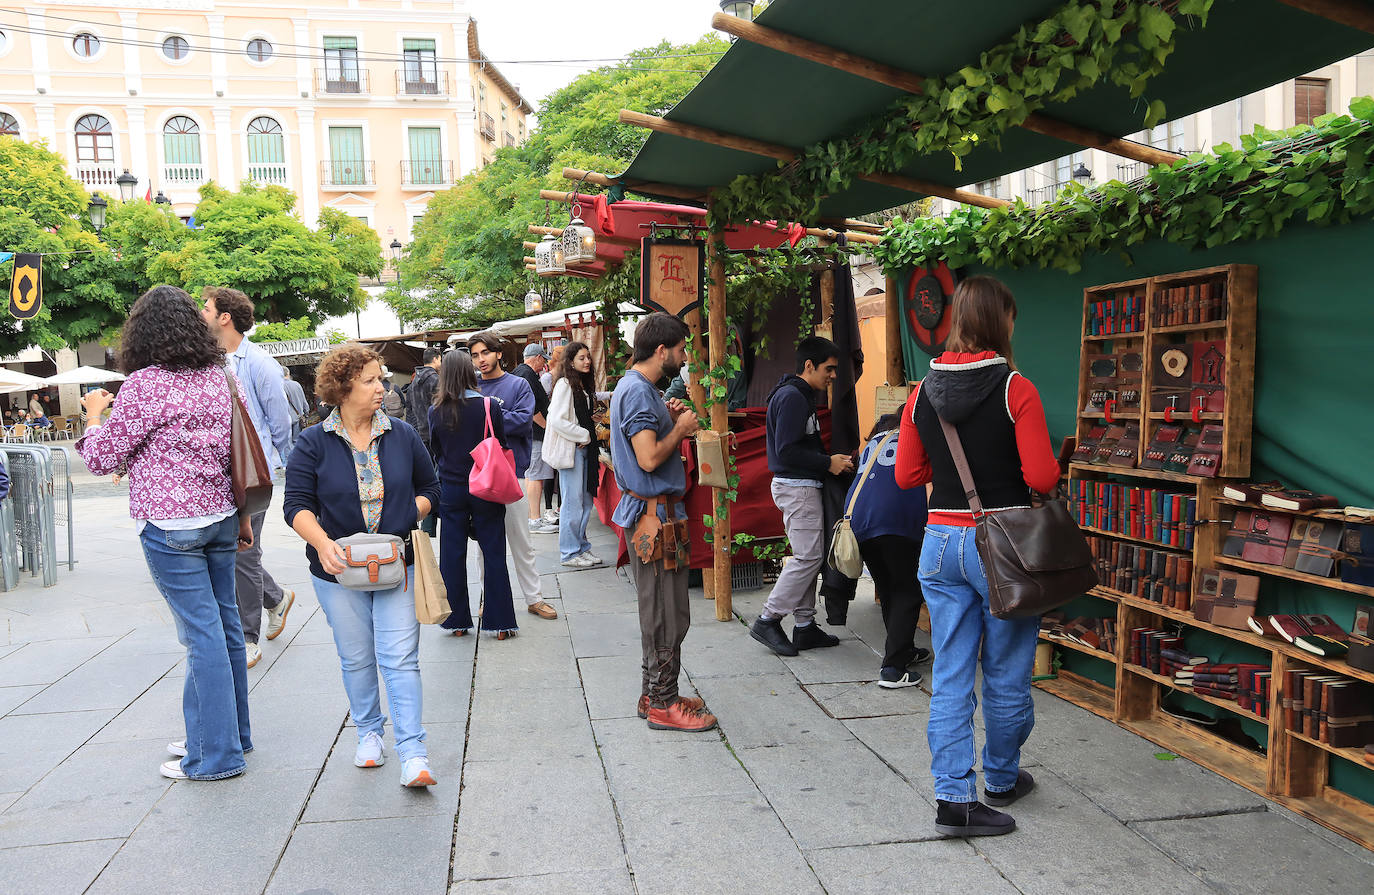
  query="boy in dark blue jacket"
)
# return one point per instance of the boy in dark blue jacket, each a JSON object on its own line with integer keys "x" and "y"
{"x": 799, "y": 463}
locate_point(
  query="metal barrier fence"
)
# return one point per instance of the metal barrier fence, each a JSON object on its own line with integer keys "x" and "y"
{"x": 40, "y": 499}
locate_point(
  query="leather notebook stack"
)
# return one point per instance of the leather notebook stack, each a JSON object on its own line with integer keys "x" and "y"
{"x": 1094, "y": 633}
{"x": 1226, "y": 599}
{"x": 1267, "y": 540}
{"x": 1160, "y": 576}
{"x": 1329, "y": 708}
{"x": 1357, "y": 554}
{"x": 1317, "y": 634}
{"x": 1191, "y": 303}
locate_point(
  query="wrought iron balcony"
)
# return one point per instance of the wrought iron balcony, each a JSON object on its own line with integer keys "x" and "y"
{"x": 430, "y": 173}
{"x": 421, "y": 81}
{"x": 352, "y": 172}
{"x": 508, "y": 139}
{"x": 1129, "y": 171}
{"x": 1042, "y": 194}
{"x": 488, "y": 127}
{"x": 347, "y": 80}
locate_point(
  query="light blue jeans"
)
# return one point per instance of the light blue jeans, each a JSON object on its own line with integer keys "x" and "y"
{"x": 377, "y": 629}
{"x": 194, "y": 571}
{"x": 576, "y": 507}
{"x": 962, "y": 629}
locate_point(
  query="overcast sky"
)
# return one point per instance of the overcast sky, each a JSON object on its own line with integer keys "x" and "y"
{"x": 540, "y": 29}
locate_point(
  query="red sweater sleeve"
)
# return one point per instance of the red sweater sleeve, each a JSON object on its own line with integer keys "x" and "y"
{"x": 1039, "y": 466}
{"x": 913, "y": 464}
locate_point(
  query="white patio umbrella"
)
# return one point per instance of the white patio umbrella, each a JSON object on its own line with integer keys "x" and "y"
{"x": 83, "y": 376}
{"x": 14, "y": 381}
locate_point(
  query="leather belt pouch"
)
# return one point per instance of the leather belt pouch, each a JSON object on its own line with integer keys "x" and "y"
{"x": 652, "y": 539}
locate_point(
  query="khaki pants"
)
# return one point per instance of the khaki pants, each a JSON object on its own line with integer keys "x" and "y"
{"x": 664, "y": 617}
{"x": 521, "y": 550}
{"x": 803, "y": 517}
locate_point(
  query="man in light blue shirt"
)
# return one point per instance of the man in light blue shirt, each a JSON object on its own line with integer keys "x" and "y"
{"x": 229, "y": 314}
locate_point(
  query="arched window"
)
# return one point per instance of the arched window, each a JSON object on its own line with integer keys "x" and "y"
{"x": 176, "y": 48}
{"x": 86, "y": 44}
{"x": 181, "y": 146}
{"x": 9, "y": 126}
{"x": 259, "y": 50}
{"x": 94, "y": 139}
{"x": 266, "y": 151}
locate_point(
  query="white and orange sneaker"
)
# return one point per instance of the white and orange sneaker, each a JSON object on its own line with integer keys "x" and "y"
{"x": 369, "y": 754}
{"x": 415, "y": 772}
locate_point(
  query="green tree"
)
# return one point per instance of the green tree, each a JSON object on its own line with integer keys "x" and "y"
{"x": 287, "y": 331}
{"x": 464, "y": 265}
{"x": 358, "y": 246}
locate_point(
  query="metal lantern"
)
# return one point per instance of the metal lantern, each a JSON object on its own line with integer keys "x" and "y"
{"x": 548, "y": 257}
{"x": 1082, "y": 176}
{"x": 96, "y": 210}
{"x": 743, "y": 9}
{"x": 534, "y": 302}
{"x": 127, "y": 182}
{"x": 579, "y": 242}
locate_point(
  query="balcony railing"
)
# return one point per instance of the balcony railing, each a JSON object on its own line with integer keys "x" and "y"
{"x": 1130, "y": 171}
{"x": 348, "y": 173}
{"x": 96, "y": 173}
{"x": 412, "y": 82}
{"x": 488, "y": 126}
{"x": 508, "y": 139}
{"x": 429, "y": 173}
{"x": 270, "y": 172}
{"x": 345, "y": 81}
{"x": 183, "y": 175}
{"x": 1042, "y": 194}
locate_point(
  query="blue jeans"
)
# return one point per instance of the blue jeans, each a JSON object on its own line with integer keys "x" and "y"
{"x": 576, "y": 508}
{"x": 194, "y": 571}
{"x": 961, "y": 630}
{"x": 377, "y": 629}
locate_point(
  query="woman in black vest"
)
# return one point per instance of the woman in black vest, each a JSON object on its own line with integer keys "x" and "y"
{"x": 997, "y": 413}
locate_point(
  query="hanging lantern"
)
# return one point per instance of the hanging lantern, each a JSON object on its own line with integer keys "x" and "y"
{"x": 579, "y": 242}
{"x": 534, "y": 302}
{"x": 548, "y": 257}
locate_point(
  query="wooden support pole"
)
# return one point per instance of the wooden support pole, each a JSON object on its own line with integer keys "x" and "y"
{"x": 852, "y": 224}
{"x": 784, "y": 154}
{"x": 1350, "y": 13}
{"x": 896, "y": 372}
{"x": 546, "y": 231}
{"x": 831, "y": 235}
{"x": 531, "y": 246}
{"x": 721, "y": 538}
{"x": 912, "y": 82}
{"x": 654, "y": 189}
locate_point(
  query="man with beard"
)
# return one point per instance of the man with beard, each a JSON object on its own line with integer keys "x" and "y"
{"x": 646, "y": 435}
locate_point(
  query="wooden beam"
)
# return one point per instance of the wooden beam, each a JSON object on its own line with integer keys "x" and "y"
{"x": 721, "y": 538}
{"x": 783, "y": 154}
{"x": 892, "y": 325}
{"x": 531, "y": 246}
{"x": 659, "y": 189}
{"x": 852, "y": 224}
{"x": 1343, "y": 12}
{"x": 545, "y": 231}
{"x": 832, "y": 235}
{"x": 912, "y": 82}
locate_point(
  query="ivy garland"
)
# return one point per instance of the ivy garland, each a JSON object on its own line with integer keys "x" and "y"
{"x": 1084, "y": 42}
{"x": 1321, "y": 174}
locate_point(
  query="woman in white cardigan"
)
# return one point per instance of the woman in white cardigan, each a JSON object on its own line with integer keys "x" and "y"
{"x": 568, "y": 447}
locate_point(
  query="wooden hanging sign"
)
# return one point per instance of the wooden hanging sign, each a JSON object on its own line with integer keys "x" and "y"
{"x": 672, "y": 275}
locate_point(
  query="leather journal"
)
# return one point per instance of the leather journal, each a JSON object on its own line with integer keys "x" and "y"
{"x": 1172, "y": 381}
{"x": 1159, "y": 448}
{"x": 1208, "y": 376}
{"x": 1267, "y": 539}
{"x": 1181, "y": 457}
{"x": 1357, "y": 554}
{"x": 1207, "y": 456}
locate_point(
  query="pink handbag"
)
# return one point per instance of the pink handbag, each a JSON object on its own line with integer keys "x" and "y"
{"x": 493, "y": 469}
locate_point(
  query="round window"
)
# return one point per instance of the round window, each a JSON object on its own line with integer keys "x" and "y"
{"x": 86, "y": 44}
{"x": 176, "y": 48}
{"x": 259, "y": 50}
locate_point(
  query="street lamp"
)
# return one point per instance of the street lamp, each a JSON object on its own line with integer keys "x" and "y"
{"x": 162, "y": 199}
{"x": 395, "y": 257}
{"x": 126, "y": 182}
{"x": 1082, "y": 176}
{"x": 96, "y": 209}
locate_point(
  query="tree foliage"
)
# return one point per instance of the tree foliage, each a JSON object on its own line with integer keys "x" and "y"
{"x": 286, "y": 331}
{"x": 465, "y": 264}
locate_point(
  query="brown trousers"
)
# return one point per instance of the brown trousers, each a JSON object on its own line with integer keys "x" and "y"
{"x": 664, "y": 617}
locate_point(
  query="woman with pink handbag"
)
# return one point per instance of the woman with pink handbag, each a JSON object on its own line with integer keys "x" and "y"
{"x": 468, "y": 441}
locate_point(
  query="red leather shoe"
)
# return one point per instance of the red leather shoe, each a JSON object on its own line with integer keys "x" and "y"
{"x": 679, "y": 717}
{"x": 695, "y": 703}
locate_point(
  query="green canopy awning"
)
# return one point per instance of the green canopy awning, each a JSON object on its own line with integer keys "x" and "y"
{"x": 767, "y": 95}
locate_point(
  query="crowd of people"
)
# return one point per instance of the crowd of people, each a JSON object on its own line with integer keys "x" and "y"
{"x": 365, "y": 470}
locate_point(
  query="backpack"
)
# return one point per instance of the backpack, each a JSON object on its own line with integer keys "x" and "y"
{"x": 392, "y": 403}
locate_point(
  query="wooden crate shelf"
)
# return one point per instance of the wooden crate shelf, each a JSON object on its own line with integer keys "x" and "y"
{"x": 1146, "y": 542}
{"x": 1134, "y": 473}
{"x": 1355, "y": 755}
{"x": 1330, "y": 514}
{"x": 1229, "y": 705}
{"x": 1078, "y": 647}
{"x": 1260, "y": 568}
{"x": 1080, "y": 691}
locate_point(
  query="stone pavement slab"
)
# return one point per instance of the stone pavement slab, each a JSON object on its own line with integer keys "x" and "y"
{"x": 393, "y": 854}
{"x": 65, "y": 868}
{"x": 611, "y": 685}
{"x": 605, "y": 634}
{"x": 938, "y": 867}
{"x": 104, "y": 682}
{"x": 347, "y": 792}
{"x": 600, "y": 882}
{"x": 865, "y": 699}
{"x": 12, "y": 698}
{"x": 32, "y": 745}
{"x": 48, "y": 662}
{"x": 641, "y": 763}
{"x": 513, "y": 725}
{"x": 767, "y": 710}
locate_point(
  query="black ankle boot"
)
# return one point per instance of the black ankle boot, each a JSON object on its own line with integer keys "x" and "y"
{"x": 812, "y": 636}
{"x": 1024, "y": 784}
{"x": 769, "y": 632}
{"x": 971, "y": 819}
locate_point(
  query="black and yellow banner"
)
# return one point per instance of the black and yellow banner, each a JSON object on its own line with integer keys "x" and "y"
{"x": 26, "y": 287}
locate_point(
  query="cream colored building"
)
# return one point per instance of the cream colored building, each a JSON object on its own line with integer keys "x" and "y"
{"x": 368, "y": 106}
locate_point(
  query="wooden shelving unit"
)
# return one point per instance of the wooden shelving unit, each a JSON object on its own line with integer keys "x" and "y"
{"x": 1294, "y": 769}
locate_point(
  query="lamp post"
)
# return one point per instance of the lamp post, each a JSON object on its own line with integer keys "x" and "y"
{"x": 1082, "y": 176}
{"x": 396, "y": 248}
{"x": 161, "y": 199}
{"x": 127, "y": 182}
{"x": 96, "y": 209}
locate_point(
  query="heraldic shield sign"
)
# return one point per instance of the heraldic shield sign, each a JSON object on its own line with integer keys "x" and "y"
{"x": 672, "y": 275}
{"x": 26, "y": 288}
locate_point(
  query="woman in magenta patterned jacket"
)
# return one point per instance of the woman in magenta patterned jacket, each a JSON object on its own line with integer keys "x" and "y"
{"x": 169, "y": 433}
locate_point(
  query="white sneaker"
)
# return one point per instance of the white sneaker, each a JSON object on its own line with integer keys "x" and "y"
{"x": 172, "y": 770}
{"x": 178, "y": 748}
{"x": 550, "y": 516}
{"x": 369, "y": 754}
{"x": 595, "y": 560}
{"x": 254, "y": 653}
{"x": 415, "y": 772}
{"x": 579, "y": 562}
{"x": 276, "y": 616}
{"x": 540, "y": 527}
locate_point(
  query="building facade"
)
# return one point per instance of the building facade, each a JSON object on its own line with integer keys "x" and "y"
{"x": 1281, "y": 106}
{"x": 367, "y": 106}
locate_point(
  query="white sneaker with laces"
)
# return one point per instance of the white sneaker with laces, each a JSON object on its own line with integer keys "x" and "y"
{"x": 276, "y": 616}
{"x": 593, "y": 558}
{"x": 177, "y": 748}
{"x": 550, "y": 516}
{"x": 540, "y": 527}
{"x": 254, "y": 653}
{"x": 172, "y": 770}
{"x": 369, "y": 754}
{"x": 415, "y": 772}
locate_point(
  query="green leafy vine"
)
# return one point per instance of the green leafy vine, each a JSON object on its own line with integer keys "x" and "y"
{"x": 1320, "y": 174}
{"x": 1083, "y": 43}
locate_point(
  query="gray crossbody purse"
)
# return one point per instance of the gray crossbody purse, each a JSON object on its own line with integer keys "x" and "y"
{"x": 372, "y": 561}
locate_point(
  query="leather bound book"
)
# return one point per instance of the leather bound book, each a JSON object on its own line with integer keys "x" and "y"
{"x": 1087, "y": 445}
{"x": 1369, "y": 754}
{"x": 1126, "y": 450}
{"x": 1289, "y": 627}
{"x": 1268, "y": 538}
{"x": 1316, "y": 553}
{"x": 1349, "y": 712}
{"x": 1296, "y": 499}
{"x": 1183, "y": 589}
{"x": 1262, "y": 626}
{"x": 1321, "y": 645}
{"x": 1103, "y": 455}
{"x": 1204, "y": 600}
{"x": 1295, "y": 539}
{"x": 1207, "y": 456}
{"x": 1361, "y": 653}
{"x": 1182, "y": 454}
{"x": 1234, "y": 545}
{"x": 1250, "y": 492}
{"x": 1357, "y": 563}
{"x": 1236, "y": 598}
{"x": 1171, "y": 378}
{"x": 1208, "y": 374}
{"x": 1159, "y": 448}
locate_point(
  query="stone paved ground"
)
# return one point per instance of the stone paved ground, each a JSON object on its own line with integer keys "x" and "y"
{"x": 817, "y": 781}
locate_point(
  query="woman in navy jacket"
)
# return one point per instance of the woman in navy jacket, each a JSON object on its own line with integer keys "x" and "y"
{"x": 363, "y": 471}
{"x": 457, "y": 424}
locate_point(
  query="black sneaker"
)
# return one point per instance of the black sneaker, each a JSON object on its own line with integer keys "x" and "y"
{"x": 1024, "y": 784}
{"x": 812, "y": 636}
{"x": 769, "y": 632}
{"x": 890, "y": 678}
{"x": 923, "y": 656}
{"x": 971, "y": 819}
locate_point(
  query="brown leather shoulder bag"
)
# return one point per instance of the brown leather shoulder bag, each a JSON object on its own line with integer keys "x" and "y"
{"x": 1035, "y": 558}
{"x": 249, "y": 475}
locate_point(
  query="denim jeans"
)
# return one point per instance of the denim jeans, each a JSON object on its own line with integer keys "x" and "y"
{"x": 194, "y": 571}
{"x": 576, "y": 508}
{"x": 377, "y": 629}
{"x": 961, "y": 630}
{"x": 466, "y": 516}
